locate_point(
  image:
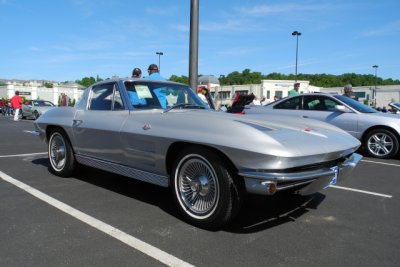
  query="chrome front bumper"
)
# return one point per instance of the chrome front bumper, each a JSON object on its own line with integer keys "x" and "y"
{"x": 308, "y": 182}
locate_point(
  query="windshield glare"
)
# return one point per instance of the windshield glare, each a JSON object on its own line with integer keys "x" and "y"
{"x": 355, "y": 104}
{"x": 145, "y": 95}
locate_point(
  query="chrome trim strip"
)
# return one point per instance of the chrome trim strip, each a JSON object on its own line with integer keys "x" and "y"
{"x": 313, "y": 180}
{"x": 144, "y": 176}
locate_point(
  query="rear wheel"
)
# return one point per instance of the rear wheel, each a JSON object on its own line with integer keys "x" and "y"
{"x": 381, "y": 143}
{"x": 204, "y": 188}
{"x": 61, "y": 156}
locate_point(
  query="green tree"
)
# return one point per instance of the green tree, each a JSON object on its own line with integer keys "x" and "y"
{"x": 181, "y": 79}
{"x": 48, "y": 85}
{"x": 86, "y": 81}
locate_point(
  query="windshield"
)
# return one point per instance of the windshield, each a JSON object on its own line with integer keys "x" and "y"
{"x": 43, "y": 104}
{"x": 155, "y": 95}
{"x": 396, "y": 105}
{"x": 355, "y": 104}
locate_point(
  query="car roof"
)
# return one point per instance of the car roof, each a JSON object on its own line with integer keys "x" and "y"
{"x": 137, "y": 79}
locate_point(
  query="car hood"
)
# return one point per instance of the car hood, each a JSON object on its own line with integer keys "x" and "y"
{"x": 280, "y": 135}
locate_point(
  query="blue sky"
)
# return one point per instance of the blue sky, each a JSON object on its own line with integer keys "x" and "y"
{"x": 70, "y": 39}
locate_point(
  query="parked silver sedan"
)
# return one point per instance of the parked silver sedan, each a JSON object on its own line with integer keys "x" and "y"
{"x": 395, "y": 107}
{"x": 379, "y": 132}
{"x": 34, "y": 108}
{"x": 162, "y": 133}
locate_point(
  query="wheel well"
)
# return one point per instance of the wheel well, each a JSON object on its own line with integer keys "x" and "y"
{"x": 379, "y": 127}
{"x": 175, "y": 148}
{"x": 49, "y": 130}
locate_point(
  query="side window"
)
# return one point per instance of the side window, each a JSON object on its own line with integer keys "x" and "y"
{"x": 330, "y": 104}
{"x": 293, "y": 103}
{"x": 320, "y": 103}
{"x": 312, "y": 103}
{"x": 105, "y": 97}
{"x": 118, "y": 104}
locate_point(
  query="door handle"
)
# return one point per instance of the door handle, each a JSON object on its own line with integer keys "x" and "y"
{"x": 76, "y": 122}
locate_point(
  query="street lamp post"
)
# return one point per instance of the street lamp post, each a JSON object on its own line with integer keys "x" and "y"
{"x": 297, "y": 34}
{"x": 374, "y": 92}
{"x": 159, "y": 61}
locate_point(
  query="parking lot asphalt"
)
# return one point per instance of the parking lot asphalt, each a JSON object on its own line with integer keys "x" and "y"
{"x": 102, "y": 219}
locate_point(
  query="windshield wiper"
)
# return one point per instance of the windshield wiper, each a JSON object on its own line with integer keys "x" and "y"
{"x": 183, "y": 105}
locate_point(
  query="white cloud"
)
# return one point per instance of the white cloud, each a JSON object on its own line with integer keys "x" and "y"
{"x": 263, "y": 10}
{"x": 392, "y": 28}
{"x": 238, "y": 51}
{"x": 165, "y": 11}
{"x": 34, "y": 49}
{"x": 180, "y": 27}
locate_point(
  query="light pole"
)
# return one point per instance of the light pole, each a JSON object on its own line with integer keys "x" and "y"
{"x": 376, "y": 70}
{"x": 297, "y": 34}
{"x": 159, "y": 62}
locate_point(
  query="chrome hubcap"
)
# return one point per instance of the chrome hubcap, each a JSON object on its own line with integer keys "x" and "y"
{"x": 57, "y": 152}
{"x": 198, "y": 186}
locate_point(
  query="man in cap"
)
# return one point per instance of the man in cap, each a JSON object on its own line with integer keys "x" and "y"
{"x": 154, "y": 73}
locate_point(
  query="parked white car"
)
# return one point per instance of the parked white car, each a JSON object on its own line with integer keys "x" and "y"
{"x": 378, "y": 132}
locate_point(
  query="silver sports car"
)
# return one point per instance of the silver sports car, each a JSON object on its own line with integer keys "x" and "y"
{"x": 34, "y": 108}
{"x": 379, "y": 132}
{"x": 162, "y": 133}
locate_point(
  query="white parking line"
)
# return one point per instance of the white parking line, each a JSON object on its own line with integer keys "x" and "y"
{"x": 131, "y": 241}
{"x": 360, "y": 191}
{"x": 23, "y": 155}
{"x": 382, "y": 163}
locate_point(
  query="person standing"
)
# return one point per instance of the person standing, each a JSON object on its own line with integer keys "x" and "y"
{"x": 348, "y": 91}
{"x": 16, "y": 104}
{"x": 154, "y": 73}
{"x": 295, "y": 90}
{"x": 136, "y": 73}
{"x": 64, "y": 100}
{"x": 3, "y": 106}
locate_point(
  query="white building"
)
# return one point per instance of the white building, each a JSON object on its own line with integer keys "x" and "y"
{"x": 267, "y": 90}
{"x": 35, "y": 90}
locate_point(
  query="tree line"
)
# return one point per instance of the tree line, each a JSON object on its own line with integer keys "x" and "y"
{"x": 253, "y": 77}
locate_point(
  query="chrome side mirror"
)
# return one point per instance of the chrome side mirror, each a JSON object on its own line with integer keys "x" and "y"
{"x": 341, "y": 108}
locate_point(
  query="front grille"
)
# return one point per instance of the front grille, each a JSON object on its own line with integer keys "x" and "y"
{"x": 312, "y": 167}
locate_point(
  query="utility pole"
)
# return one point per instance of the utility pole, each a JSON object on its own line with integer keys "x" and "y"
{"x": 194, "y": 44}
{"x": 297, "y": 34}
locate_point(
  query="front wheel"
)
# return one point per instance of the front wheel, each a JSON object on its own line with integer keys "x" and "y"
{"x": 381, "y": 143}
{"x": 61, "y": 156}
{"x": 205, "y": 189}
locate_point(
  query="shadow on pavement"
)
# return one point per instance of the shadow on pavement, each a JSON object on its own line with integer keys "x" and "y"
{"x": 258, "y": 213}
{"x": 263, "y": 212}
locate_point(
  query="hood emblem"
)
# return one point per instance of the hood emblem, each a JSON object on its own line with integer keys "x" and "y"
{"x": 146, "y": 127}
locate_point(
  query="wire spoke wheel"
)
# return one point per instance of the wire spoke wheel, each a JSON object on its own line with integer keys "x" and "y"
{"x": 62, "y": 160}
{"x": 205, "y": 187}
{"x": 198, "y": 186}
{"x": 57, "y": 152}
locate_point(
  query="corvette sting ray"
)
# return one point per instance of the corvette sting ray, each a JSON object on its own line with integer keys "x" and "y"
{"x": 162, "y": 133}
